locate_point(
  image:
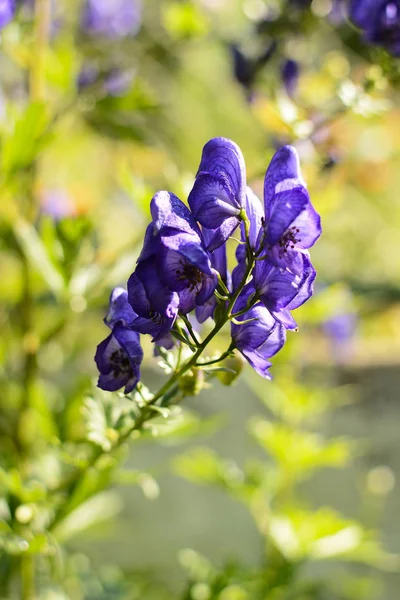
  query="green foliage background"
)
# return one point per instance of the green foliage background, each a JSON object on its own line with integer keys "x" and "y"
{"x": 297, "y": 476}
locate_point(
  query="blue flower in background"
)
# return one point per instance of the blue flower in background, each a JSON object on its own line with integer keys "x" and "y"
{"x": 7, "y": 11}
{"x": 114, "y": 82}
{"x": 118, "y": 359}
{"x": 290, "y": 76}
{"x": 112, "y": 18}
{"x": 380, "y": 20}
{"x": 219, "y": 191}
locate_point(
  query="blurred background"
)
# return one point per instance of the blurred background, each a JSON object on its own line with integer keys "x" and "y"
{"x": 274, "y": 490}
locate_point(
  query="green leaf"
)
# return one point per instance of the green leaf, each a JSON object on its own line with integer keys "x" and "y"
{"x": 26, "y": 139}
{"x": 35, "y": 251}
{"x": 299, "y": 452}
{"x": 99, "y": 508}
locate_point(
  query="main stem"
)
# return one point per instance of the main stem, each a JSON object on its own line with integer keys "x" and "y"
{"x": 147, "y": 412}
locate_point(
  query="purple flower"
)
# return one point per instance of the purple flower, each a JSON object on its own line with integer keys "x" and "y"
{"x": 155, "y": 305}
{"x": 380, "y": 20}
{"x": 58, "y": 204}
{"x": 259, "y": 339}
{"x": 118, "y": 359}
{"x": 114, "y": 82}
{"x": 281, "y": 290}
{"x": 87, "y": 77}
{"x": 183, "y": 263}
{"x": 7, "y": 11}
{"x": 219, "y": 192}
{"x": 291, "y": 222}
{"x": 119, "y": 310}
{"x": 112, "y": 18}
{"x": 290, "y": 76}
{"x": 219, "y": 263}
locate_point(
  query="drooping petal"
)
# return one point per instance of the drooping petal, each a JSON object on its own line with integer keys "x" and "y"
{"x": 258, "y": 362}
{"x": 222, "y": 233}
{"x": 285, "y": 318}
{"x": 276, "y": 287}
{"x": 251, "y": 335}
{"x": 306, "y": 288}
{"x": 187, "y": 300}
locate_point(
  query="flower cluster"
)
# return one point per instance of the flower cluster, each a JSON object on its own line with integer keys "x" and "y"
{"x": 182, "y": 267}
{"x": 112, "y": 18}
{"x": 7, "y": 11}
{"x": 380, "y": 21}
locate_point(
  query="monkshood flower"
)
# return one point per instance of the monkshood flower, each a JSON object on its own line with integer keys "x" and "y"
{"x": 246, "y": 69}
{"x": 182, "y": 261}
{"x": 220, "y": 265}
{"x": 114, "y": 82}
{"x": 118, "y": 359}
{"x": 7, "y": 11}
{"x": 258, "y": 339}
{"x": 57, "y": 203}
{"x": 291, "y": 222}
{"x": 112, "y": 18}
{"x": 380, "y": 20}
{"x": 119, "y": 356}
{"x": 290, "y": 74}
{"x": 280, "y": 290}
{"x": 219, "y": 192}
{"x": 119, "y": 309}
{"x": 156, "y": 306}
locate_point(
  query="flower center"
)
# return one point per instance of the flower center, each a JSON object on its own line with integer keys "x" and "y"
{"x": 289, "y": 240}
{"x": 120, "y": 362}
{"x": 191, "y": 274}
{"x": 155, "y": 317}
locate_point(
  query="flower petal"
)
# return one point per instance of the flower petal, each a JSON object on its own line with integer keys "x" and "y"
{"x": 119, "y": 309}
{"x": 222, "y": 156}
{"x": 212, "y": 200}
{"x": 284, "y": 209}
{"x": 222, "y": 233}
{"x": 170, "y": 215}
{"x": 282, "y": 174}
{"x": 276, "y": 287}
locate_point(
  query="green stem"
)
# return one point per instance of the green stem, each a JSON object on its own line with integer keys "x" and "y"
{"x": 27, "y": 577}
{"x": 190, "y": 330}
{"x": 220, "y": 358}
{"x": 41, "y": 39}
{"x": 168, "y": 389}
